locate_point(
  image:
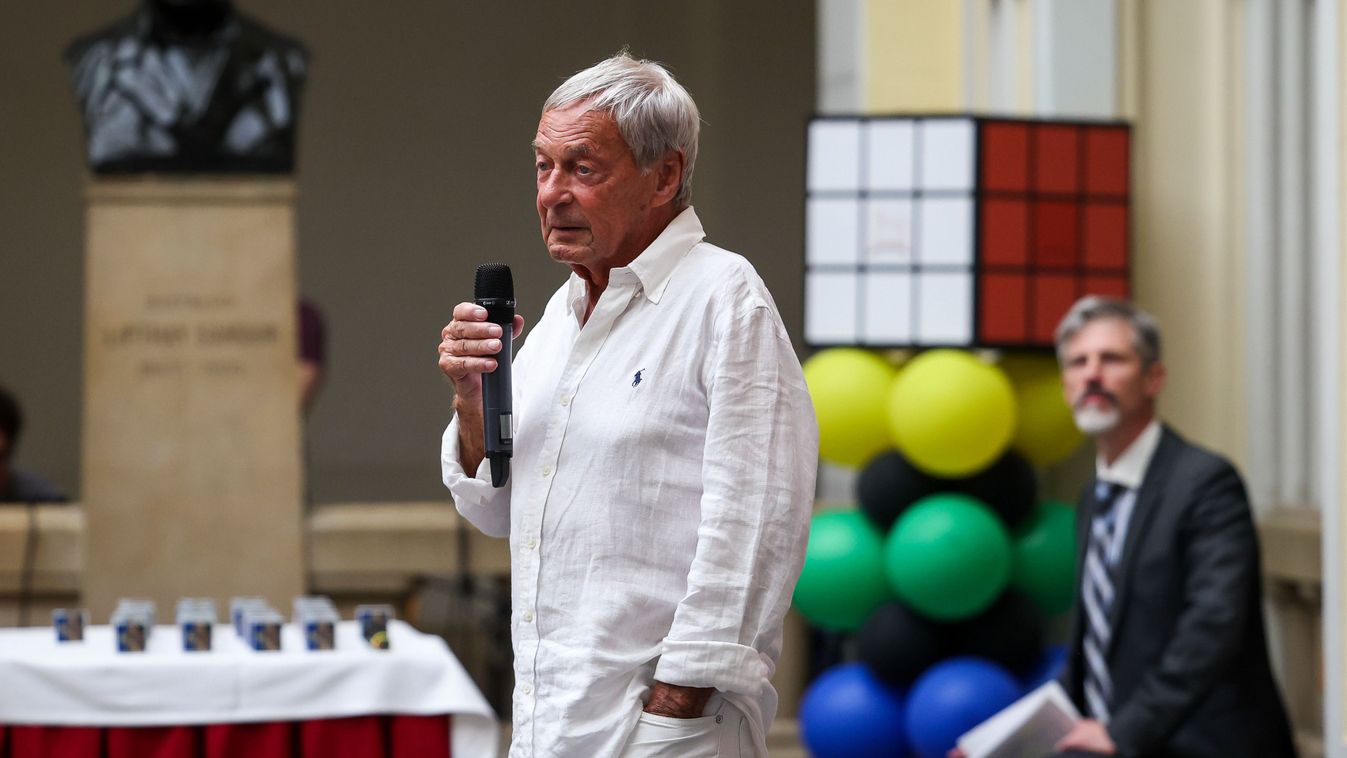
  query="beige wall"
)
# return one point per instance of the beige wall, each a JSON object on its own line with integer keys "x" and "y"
{"x": 414, "y": 167}
{"x": 1188, "y": 265}
{"x": 913, "y": 56}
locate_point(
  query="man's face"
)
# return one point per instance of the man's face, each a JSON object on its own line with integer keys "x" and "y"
{"x": 1103, "y": 379}
{"x": 594, "y": 203}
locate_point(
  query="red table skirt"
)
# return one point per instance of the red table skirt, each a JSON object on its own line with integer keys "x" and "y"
{"x": 359, "y": 737}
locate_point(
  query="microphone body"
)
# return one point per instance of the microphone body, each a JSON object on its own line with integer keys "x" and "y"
{"x": 494, "y": 291}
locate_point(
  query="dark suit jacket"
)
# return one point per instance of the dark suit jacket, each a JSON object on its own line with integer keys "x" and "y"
{"x": 1188, "y": 654}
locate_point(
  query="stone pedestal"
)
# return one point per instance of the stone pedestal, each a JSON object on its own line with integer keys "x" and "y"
{"x": 191, "y": 461}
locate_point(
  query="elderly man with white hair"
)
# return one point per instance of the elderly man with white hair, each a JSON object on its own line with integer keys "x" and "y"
{"x": 665, "y": 446}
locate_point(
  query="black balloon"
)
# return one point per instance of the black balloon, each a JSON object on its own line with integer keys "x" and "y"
{"x": 898, "y": 645}
{"x": 1008, "y": 486}
{"x": 1010, "y": 633}
{"x": 888, "y": 484}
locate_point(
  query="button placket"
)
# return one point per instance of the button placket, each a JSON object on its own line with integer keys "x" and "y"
{"x": 584, "y": 351}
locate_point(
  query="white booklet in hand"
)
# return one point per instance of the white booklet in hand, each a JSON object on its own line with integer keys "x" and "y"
{"x": 1028, "y": 728}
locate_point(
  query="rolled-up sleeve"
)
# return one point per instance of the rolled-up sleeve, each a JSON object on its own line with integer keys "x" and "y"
{"x": 758, "y": 468}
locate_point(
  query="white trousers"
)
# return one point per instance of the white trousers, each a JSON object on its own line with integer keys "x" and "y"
{"x": 720, "y": 734}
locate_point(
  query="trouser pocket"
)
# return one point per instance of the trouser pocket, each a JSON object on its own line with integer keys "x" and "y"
{"x": 667, "y": 737}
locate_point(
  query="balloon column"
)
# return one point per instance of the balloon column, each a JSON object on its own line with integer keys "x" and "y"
{"x": 946, "y": 571}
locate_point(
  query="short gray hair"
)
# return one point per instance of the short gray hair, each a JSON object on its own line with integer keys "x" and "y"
{"x": 1145, "y": 330}
{"x": 654, "y": 113}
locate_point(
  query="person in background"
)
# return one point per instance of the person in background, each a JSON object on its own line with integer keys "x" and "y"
{"x": 312, "y": 353}
{"x": 1168, "y": 654}
{"x": 16, "y": 485}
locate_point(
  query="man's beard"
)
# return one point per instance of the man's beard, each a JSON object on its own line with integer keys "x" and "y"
{"x": 1093, "y": 421}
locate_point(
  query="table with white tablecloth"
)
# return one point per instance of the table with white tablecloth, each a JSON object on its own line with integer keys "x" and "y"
{"x": 300, "y": 702}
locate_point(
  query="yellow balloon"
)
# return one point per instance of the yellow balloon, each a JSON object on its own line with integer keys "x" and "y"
{"x": 951, "y": 414}
{"x": 849, "y": 388}
{"x": 1046, "y": 432}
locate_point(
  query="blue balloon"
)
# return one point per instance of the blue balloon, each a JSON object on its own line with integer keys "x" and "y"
{"x": 848, "y": 713}
{"x": 1049, "y": 665}
{"x": 952, "y": 697}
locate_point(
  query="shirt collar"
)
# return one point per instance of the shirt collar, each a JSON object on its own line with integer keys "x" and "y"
{"x": 1130, "y": 467}
{"x": 653, "y": 268}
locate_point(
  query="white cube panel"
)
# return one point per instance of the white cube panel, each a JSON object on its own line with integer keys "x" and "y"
{"x": 830, "y": 307}
{"x": 888, "y": 231}
{"x": 831, "y": 230}
{"x": 889, "y": 155}
{"x": 888, "y": 309}
{"x": 945, "y": 310}
{"x": 947, "y": 148}
{"x": 945, "y": 231}
{"x": 834, "y": 155}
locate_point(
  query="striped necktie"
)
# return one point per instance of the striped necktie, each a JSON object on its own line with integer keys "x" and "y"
{"x": 1098, "y": 590}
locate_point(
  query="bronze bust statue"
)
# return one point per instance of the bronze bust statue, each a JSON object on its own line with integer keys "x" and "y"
{"x": 188, "y": 86}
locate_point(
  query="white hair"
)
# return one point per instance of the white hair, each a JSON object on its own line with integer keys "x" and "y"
{"x": 654, "y": 113}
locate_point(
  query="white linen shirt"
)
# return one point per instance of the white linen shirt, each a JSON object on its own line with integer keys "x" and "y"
{"x": 658, "y": 506}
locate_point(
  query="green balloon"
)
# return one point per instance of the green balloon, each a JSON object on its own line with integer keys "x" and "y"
{"x": 1045, "y": 557}
{"x": 948, "y": 557}
{"x": 843, "y": 576}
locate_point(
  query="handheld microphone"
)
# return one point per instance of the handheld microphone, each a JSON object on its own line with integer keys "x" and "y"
{"x": 494, "y": 290}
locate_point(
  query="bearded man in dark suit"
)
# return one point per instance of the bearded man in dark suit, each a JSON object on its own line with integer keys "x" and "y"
{"x": 1168, "y": 655}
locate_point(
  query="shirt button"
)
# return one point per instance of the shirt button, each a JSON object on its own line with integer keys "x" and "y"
{"x": 528, "y": 617}
{"x": 533, "y": 543}
{"x": 565, "y": 401}
{"x": 527, "y": 689}
{"x": 547, "y": 471}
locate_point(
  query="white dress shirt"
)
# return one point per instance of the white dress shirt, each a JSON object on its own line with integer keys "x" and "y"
{"x": 658, "y": 508}
{"x": 1128, "y": 470}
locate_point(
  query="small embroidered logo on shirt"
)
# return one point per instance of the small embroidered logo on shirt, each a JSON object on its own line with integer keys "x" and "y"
{"x": 637, "y": 379}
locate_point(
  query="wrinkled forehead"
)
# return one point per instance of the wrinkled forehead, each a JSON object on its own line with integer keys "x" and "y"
{"x": 577, "y": 130}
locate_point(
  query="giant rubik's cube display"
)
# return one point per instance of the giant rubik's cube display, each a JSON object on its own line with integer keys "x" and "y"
{"x": 960, "y": 231}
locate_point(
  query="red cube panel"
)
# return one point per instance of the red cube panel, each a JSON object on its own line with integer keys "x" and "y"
{"x": 1004, "y": 232}
{"x": 1106, "y": 160}
{"x": 1057, "y": 159}
{"x": 1003, "y": 316}
{"x": 1005, "y": 156}
{"x": 1112, "y": 286}
{"x": 1056, "y": 233}
{"x": 1053, "y": 295}
{"x": 1105, "y": 236}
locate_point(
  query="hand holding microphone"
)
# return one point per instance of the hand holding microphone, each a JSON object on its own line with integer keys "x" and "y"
{"x": 473, "y": 345}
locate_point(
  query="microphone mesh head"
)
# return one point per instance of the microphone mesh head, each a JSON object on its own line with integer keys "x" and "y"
{"x": 493, "y": 281}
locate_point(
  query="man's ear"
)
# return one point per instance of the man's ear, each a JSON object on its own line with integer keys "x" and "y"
{"x": 1154, "y": 380}
{"x": 669, "y": 175}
